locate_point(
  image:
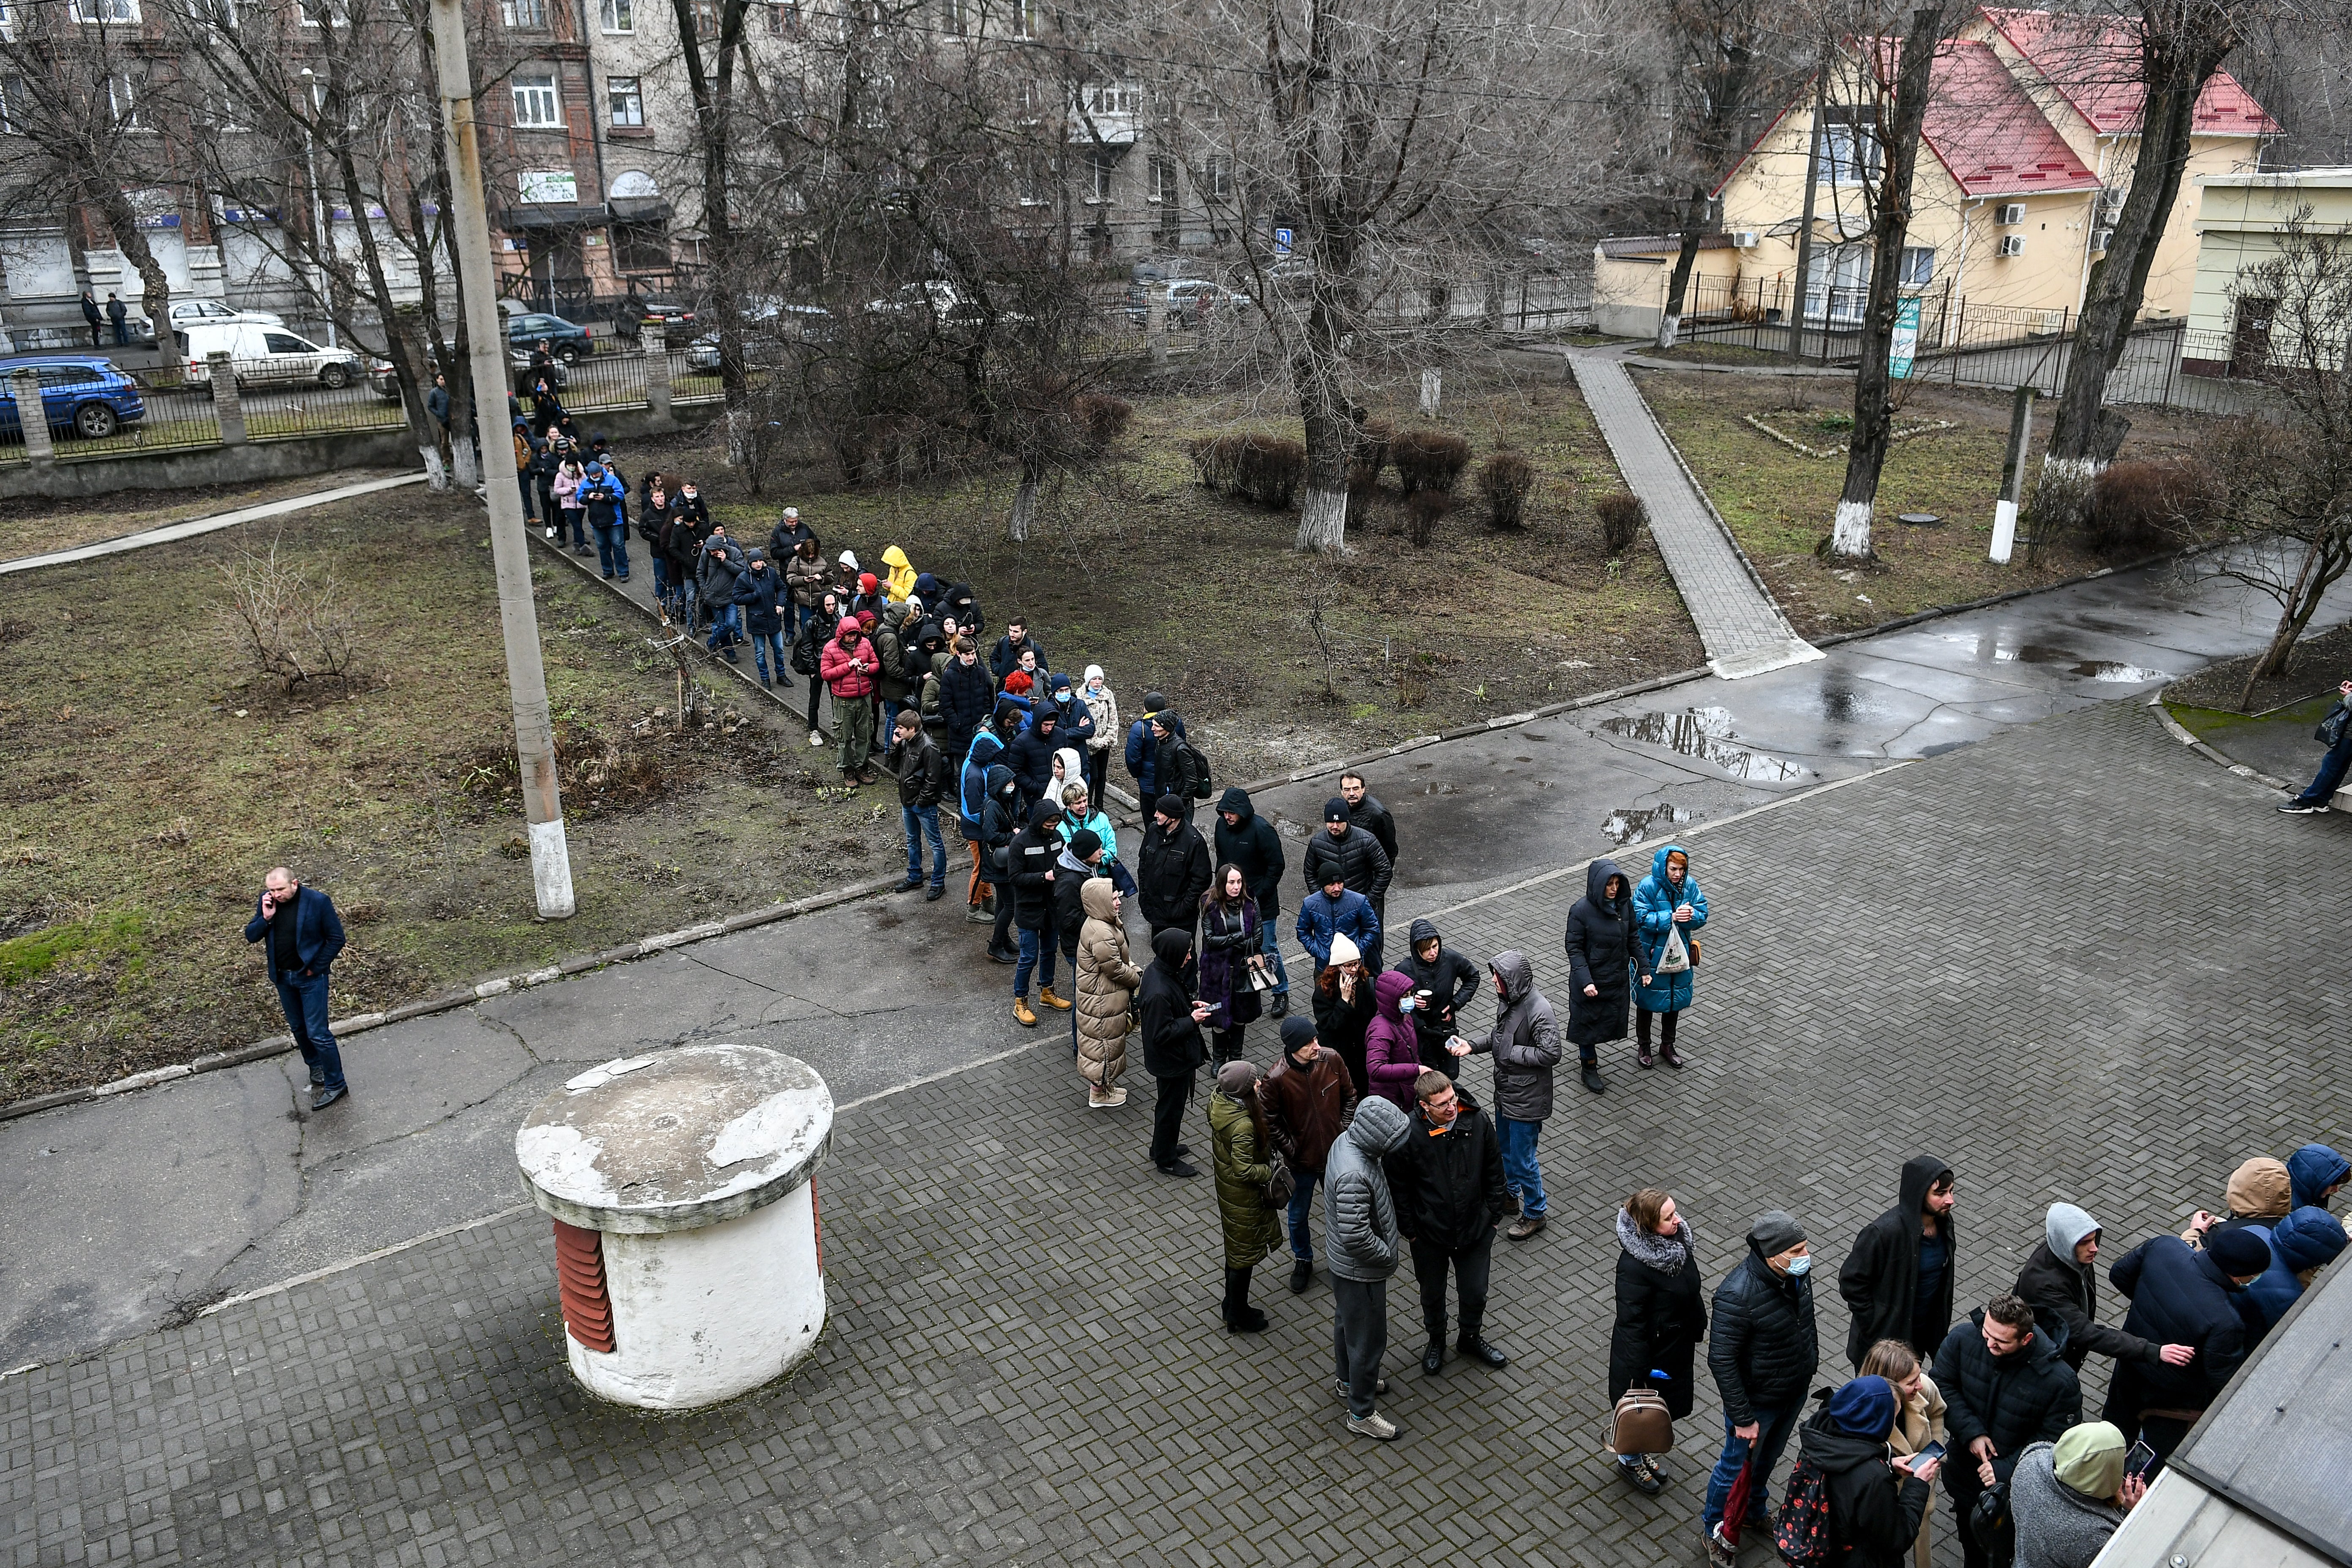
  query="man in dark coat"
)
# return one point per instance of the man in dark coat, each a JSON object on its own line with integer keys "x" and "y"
{"x": 1179, "y": 766}
{"x": 1000, "y": 822}
{"x": 1874, "y": 1507}
{"x": 1308, "y": 1099}
{"x": 1762, "y": 1351}
{"x": 2004, "y": 1386}
{"x": 759, "y": 595}
{"x": 1599, "y": 982}
{"x": 1365, "y": 811}
{"x": 921, "y": 770}
{"x": 2186, "y": 1296}
{"x": 2061, "y": 1282}
{"x": 90, "y": 313}
{"x": 1029, "y": 860}
{"x": 1005, "y": 657}
{"x": 304, "y": 936}
{"x": 1172, "y": 870}
{"x": 119, "y": 314}
{"x": 1363, "y": 864}
{"x": 1249, "y": 841}
{"x": 1143, "y": 748}
{"x": 1898, "y": 1280}
{"x": 967, "y": 695}
{"x": 1030, "y": 755}
{"x": 1444, "y": 984}
{"x": 1171, "y": 1021}
{"x": 1447, "y": 1182}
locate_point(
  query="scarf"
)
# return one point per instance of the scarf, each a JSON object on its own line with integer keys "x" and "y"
{"x": 1666, "y": 1254}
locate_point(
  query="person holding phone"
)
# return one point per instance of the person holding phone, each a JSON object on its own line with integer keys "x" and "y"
{"x": 1875, "y": 1501}
{"x": 304, "y": 936}
{"x": 1919, "y": 1425}
{"x": 1172, "y": 1049}
{"x": 2005, "y": 1388}
{"x": 2067, "y": 1497}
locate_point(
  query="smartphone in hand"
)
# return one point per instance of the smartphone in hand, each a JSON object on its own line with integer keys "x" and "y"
{"x": 1924, "y": 1457}
{"x": 2139, "y": 1461}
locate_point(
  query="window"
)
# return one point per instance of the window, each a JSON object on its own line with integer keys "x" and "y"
{"x": 1032, "y": 182}
{"x": 525, "y": 14}
{"x": 640, "y": 248}
{"x": 617, "y": 15}
{"x": 287, "y": 343}
{"x": 1163, "y": 181}
{"x": 629, "y": 103}
{"x": 114, "y": 11}
{"x": 1112, "y": 97}
{"x": 707, "y": 20}
{"x": 1028, "y": 18}
{"x": 784, "y": 19}
{"x": 316, "y": 12}
{"x": 1849, "y": 150}
{"x": 1217, "y": 178}
{"x": 122, "y": 100}
{"x": 12, "y": 92}
{"x": 959, "y": 16}
{"x": 1919, "y": 264}
{"x": 1098, "y": 174}
{"x": 536, "y": 107}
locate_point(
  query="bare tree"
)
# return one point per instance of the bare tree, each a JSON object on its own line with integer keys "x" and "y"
{"x": 711, "y": 65}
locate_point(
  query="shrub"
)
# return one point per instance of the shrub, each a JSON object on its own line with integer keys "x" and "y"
{"x": 1422, "y": 512}
{"x": 1368, "y": 454}
{"x": 1621, "y": 516}
{"x": 1429, "y": 460}
{"x": 283, "y": 619}
{"x": 1504, "y": 478}
{"x": 1258, "y": 467}
{"x": 2142, "y": 508}
{"x": 1102, "y": 417}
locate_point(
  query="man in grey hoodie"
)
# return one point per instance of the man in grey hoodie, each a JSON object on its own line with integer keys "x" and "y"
{"x": 1525, "y": 1044}
{"x": 1360, "y": 1233}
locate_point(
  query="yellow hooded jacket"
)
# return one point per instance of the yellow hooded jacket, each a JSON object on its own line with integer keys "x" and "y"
{"x": 901, "y": 580}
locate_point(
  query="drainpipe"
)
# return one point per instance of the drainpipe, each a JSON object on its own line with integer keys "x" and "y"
{"x": 2083, "y": 289}
{"x": 595, "y": 132}
{"x": 1959, "y": 306}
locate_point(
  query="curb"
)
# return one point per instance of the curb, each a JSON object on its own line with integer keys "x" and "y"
{"x": 2251, "y": 774}
{"x": 196, "y": 527}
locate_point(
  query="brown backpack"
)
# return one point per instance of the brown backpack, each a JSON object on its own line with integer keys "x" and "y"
{"x": 1642, "y": 1424}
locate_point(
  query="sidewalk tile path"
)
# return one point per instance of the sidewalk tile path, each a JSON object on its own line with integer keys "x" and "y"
{"x": 2031, "y": 957}
{"x": 1744, "y": 632}
{"x": 191, "y": 527}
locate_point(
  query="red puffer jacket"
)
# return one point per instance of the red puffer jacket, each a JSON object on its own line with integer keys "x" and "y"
{"x": 834, "y": 666}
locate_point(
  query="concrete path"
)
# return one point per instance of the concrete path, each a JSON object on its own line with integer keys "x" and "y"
{"x": 193, "y": 526}
{"x": 1744, "y": 631}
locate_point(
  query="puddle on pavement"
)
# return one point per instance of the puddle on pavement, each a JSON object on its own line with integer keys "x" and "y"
{"x": 2108, "y": 669}
{"x": 1630, "y": 824}
{"x": 1439, "y": 787}
{"x": 1705, "y": 734}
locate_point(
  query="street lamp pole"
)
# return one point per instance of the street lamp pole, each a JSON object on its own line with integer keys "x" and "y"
{"x": 320, "y": 237}
{"x": 551, "y": 860}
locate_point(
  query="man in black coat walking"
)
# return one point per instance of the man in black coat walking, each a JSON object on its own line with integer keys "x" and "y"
{"x": 1898, "y": 1280}
{"x": 2181, "y": 1295}
{"x": 1451, "y": 984}
{"x": 1763, "y": 1350}
{"x": 2004, "y": 1387}
{"x": 1447, "y": 1184}
{"x": 304, "y": 936}
{"x": 1172, "y": 870}
{"x": 1172, "y": 1048}
{"x": 1363, "y": 864}
{"x": 1249, "y": 841}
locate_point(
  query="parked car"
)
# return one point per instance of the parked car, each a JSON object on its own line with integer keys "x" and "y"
{"x": 82, "y": 393}
{"x": 264, "y": 355}
{"x": 636, "y": 312}
{"x": 1167, "y": 269}
{"x": 1190, "y": 301}
{"x": 187, "y": 313}
{"x": 569, "y": 343}
{"x": 770, "y": 327}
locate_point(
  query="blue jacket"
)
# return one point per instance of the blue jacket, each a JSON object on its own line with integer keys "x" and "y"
{"x": 1320, "y": 918}
{"x": 971, "y": 785}
{"x": 1074, "y": 721}
{"x": 1654, "y": 915}
{"x": 2312, "y": 1170}
{"x": 318, "y": 932}
{"x": 2308, "y": 1237}
{"x": 1031, "y": 758}
{"x": 2179, "y": 1296}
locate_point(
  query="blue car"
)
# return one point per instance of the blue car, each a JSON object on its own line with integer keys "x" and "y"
{"x": 83, "y": 393}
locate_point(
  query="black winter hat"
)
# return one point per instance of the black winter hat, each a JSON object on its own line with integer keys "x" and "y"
{"x": 1169, "y": 806}
{"x": 2240, "y": 1253}
{"x": 1335, "y": 810}
{"x": 1086, "y": 841}
{"x": 1296, "y": 1030}
{"x": 1153, "y": 702}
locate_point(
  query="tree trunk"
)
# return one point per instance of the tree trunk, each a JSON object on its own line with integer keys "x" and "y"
{"x": 1323, "y": 410}
{"x": 1873, "y": 412}
{"x": 466, "y": 460}
{"x": 711, "y": 86}
{"x": 436, "y": 475}
{"x": 1025, "y": 503}
{"x": 155, "y": 288}
{"x": 2323, "y": 562}
{"x": 1670, "y": 320}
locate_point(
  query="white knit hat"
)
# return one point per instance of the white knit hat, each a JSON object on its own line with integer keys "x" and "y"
{"x": 849, "y": 559}
{"x": 1344, "y": 951}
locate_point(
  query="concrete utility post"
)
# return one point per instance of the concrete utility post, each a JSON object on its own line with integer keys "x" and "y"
{"x": 2013, "y": 474}
{"x": 551, "y": 858}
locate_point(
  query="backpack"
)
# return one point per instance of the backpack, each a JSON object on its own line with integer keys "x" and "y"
{"x": 1643, "y": 1424}
{"x": 1201, "y": 786}
{"x": 1801, "y": 1533}
{"x": 1990, "y": 1523}
{"x": 805, "y": 651}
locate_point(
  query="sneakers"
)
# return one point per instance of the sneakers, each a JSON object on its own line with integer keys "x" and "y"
{"x": 1302, "y": 1269}
{"x": 1021, "y": 1014}
{"x": 1525, "y": 1226}
{"x": 1379, "y": 1385}
{"x": 1101, "y": 1098}
{"x": 1376, "y": 1427}
{"x": 1046, "y": 994}
{"x": 2297, "y": 808}
{"x": 816, "y": 739}
{"x": 979, "y": 916}
{"x": 1720, "y": 1553}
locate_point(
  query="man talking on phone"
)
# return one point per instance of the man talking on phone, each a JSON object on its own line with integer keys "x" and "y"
{"x": 304, "y": 936}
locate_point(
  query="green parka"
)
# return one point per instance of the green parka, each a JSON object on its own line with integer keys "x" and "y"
{"x": 1252, "y": 1230}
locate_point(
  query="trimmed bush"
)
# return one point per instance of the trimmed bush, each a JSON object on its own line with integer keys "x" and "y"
{"x": 2143, "y": 507}
{"x": 1429, "y": 460}
{"x": 1255, "y": 466}
{"x": 1422, "y": 512}
{"x": 1102, "y": 417}
{"x": 1621, "y": 516}
{"x": 1504, "y": 478}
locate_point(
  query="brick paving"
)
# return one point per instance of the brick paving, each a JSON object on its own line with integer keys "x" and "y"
{"x": 1736, "y": 620}
{"x": 2073, "y": 960}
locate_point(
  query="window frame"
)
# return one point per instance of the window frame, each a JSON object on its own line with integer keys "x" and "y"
{"x": 1163, "y": 187}
{"x": 84, "y": 11}
{"x": 1850, "y": 152}
{"x": 637, "y": 94}
{"x": 1911, "y": 275}
{"x": 513, "y": 13}
{"x": 616, "y": 18}
{"x": 519, "y": 86}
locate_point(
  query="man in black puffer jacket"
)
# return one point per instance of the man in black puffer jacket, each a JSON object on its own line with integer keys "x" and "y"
{"x": 2004, "y": 1386}
{"x": 1763, "y": 1350}
{"x": 1447, "y": 1182}
{"x": 1249, "y": 841}
{"x": 1452, "y": 982}
{"x": 1875, "y": 1508}
{"x": 1171, "y": 869}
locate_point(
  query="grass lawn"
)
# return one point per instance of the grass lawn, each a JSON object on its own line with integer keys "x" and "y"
{"x": 1170, "y": 587}
{"x": 1779, "y": 502}
{"x": 33, "y": 525}
{"x": 152, "y": 783}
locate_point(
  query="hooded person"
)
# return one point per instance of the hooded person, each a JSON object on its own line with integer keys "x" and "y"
{"x": 1392, "y": 1049}
{"x": 1070, "y": 767}
{"x": 2066, "y": 1498}
{"x": 1031, "y": 858}
{"x": 1875, "y": 1508}
{"x": 1667, "y": 903}
{"x": 1107, "y": 986}
{"x": 2306, "y": 1241}
{"x": 847, "y": 667}
{"x": 1102, "y": 708}
{"x": 1241, "y": 1151}
{"x": 1247, "y": 840}
{"x": 1031, "y": 755}
{"x": 1525, "y": 1044}
{"x": 2260, "y": 1192}
{"x": 1898, "y": 1280}
{"x": 1360, "y": 1229}
{"x": 2315, "y": 1173}
{"x": 1310, "y": 1101}
{"x": 2190, "y": 1297}
{"x": 1074, "y": 721}
{"x": 2061, "y": 1282}
{"x": 1600, "y": 942}
{"x": 900, "y": 586}
{"x": 1762, "y": 1349}
{"x": 1001, "y": 820}
{"x": 1445, "y": 984}
{"x": 1172, "y": 1048}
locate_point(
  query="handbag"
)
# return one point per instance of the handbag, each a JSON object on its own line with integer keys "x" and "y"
{"x": 1280, "y": 1184}
{"x": 1641, "y": 1424}
{"x": 2330, "y": 733}
{"x": 1694, "y": 952}
{"x": 1674, "y": 957}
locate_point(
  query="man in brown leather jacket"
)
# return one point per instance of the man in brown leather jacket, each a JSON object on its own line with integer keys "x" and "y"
{"x": 1309, "y": 1100}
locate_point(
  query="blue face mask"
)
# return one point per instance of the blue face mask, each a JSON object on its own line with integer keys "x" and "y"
{"x": 1404, "y": 1005}
{"x": 1801, "y": 1267}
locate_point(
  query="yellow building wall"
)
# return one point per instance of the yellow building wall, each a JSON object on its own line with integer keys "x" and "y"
{"x": 2172, "y": 280}
{"x": 2238, "y": 227}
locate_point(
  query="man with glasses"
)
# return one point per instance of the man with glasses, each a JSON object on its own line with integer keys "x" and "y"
{"x": 304, "y": 936}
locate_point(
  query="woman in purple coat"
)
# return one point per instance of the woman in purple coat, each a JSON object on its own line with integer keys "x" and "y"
{"x": 1230, "y": 940}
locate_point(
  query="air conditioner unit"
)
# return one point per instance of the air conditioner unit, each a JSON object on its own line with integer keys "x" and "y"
{"x": 1743, "y": 239}
{"x": 2099, "y": 238}
{"x": 2013, "y": 244}
{"x": 2111, "y": 205}
{"x": 2009, "y": 213}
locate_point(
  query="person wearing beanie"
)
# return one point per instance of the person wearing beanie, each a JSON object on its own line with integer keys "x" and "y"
{"x": 2004, "y": 1387}
{"x": 1107, "y": 985}
{"x": 1355, "y": 856}
{"x": 1360, "y": 1225}
{"x": 1445, "y": 986}
{"x": 1080, "y": 862}
{"x": 1031, "y": 860}
{"x": 1897, "y": 1280}
{"x": 1874, "y": 1507}
{"x": 1447, "y": 1182}
{"x": 1171, "y": 1019}
{"x": 1074, "y": 721}
{"x": 2306, "y": 1241}
{"x": 1180, "y": 769}
{"x": 1171, "y": 869}
{"x": 1241, "y": 1150}
{"x": 2185, "y": 1296}
{"x": 1762, "y": 1349}
{"x": 1005, "y": 656}
{"x": 1345, "y": 1004}
{"x": 714, "y": 585}
{"x": 1308, "y": 1101}
{"x": 2066, "y": 1498}
{"x": 759, "y": 596}
{"x": 1102, "y": 708}
{"x": 1143, "y": 748}
{"x": 2061, "y": 1282}
{"x": 1525, "y": 1044}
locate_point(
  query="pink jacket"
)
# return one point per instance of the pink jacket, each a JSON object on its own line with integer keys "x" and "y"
{"x": 1392, "y": 1054}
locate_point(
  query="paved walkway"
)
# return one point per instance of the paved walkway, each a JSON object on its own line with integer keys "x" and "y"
{"x": 1023, "y": 1365}
{"x": 193, "y": 526}
{"x": 1744, "y": 631}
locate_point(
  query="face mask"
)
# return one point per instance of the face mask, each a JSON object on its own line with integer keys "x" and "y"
{"x": 1801, "y": 1267}
{"x": 1404, "y": 1005}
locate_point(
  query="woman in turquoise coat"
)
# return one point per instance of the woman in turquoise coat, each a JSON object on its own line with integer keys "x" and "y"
{"x": 1668, "y": 900}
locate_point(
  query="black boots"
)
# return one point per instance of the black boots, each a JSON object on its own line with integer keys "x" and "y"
{"x": 1241, "y": 1318}
{"x": 1302, "y": 1270}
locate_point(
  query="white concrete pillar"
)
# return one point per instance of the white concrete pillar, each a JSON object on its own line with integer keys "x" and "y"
{"x": 653, "y": 337}
{"x": 32, "y": 418}
{"x": 228, "y": 407}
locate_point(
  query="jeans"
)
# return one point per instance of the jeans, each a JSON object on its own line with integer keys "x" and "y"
{"x": 305, "y": 1002}
{"x": 1099, "y": 775}
{"x": 2332, "y": 769}
{"x": 1774, "y": 1428}
{"x": 661, "y": 575}
{"x": 1302, "y": 1200}
{"x": 1272, "y": 951}
{"x": 853, "y": 721}
{"x": 889, "y": 714}
{"x": 1359, "y": 1336}
{"x": 571, "y": 518}
{"x": 522, "y": 483}
{"x": 1521, "y": 1173}
{"x": 726, "y": 626}
{"x": 1037, "y": 950}
{"x": 1960, "y": 1480}
{"x": 612, "y": 548}
{"x": 762, "y": 643}
{"x": 922, "y": 822}
{"x": 1168, "y": 1118}
{"x": 1470, "y": 1266}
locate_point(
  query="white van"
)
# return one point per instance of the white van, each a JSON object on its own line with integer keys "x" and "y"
{"x": 266, "y": 356}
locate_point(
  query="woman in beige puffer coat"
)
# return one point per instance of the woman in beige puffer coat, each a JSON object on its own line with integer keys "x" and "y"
{"x": 1106, "y": 983}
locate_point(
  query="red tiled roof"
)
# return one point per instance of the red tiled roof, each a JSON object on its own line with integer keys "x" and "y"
{"x": 1986, "y": 132}
{"x": 2096, "y": 64}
